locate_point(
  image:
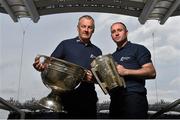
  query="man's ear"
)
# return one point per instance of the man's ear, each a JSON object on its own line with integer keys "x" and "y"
{"x": 93, "y": 30}
{"x": 126, "y": 32}
{"x": 77, "y": 28}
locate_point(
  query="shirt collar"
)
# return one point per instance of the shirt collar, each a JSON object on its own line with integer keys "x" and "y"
{"x": 126, "y": 45}
{"x": 86, "y": 44}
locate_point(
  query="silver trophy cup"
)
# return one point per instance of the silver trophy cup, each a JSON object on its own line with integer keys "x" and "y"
{"x": 105, "y": 72}
{"x": 60, "y": 76}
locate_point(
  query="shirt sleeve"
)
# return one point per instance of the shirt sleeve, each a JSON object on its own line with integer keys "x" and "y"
{"x": 144, "y": 55}
{"x": 58, "y": 52}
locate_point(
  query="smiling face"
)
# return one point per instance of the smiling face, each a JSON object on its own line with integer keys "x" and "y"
{"x": 85, "y": 28}
{"x": 119, "y": 33}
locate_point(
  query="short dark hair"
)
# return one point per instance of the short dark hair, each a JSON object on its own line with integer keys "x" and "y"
{"x": 121, "y": 24}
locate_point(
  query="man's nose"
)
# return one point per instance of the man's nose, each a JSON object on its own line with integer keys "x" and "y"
{"x": 117, "y": 33}
{"x": 86, "y": 28}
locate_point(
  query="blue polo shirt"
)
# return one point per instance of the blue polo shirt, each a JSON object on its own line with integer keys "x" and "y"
{"x": 77, "y": 52}
{"x": 133, "y": 56}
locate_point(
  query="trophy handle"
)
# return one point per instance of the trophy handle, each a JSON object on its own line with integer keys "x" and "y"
{"x": 122, "y": 83}
{"x": 102, "y": 85}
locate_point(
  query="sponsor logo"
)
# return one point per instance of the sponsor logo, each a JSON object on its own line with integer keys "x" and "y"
{"x": 92, "y": 56}
{"x": 124, "y": 58}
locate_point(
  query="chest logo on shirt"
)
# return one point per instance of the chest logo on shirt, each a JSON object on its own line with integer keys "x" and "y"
{"x": 124, "y": 59}
{"x": 92, "y": 56}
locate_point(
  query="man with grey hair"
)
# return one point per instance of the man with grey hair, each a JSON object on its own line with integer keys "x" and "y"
{"x": 81, "y": 102}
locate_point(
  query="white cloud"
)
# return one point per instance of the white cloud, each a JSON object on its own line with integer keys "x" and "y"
{"x": 167, "y": 54}
{"x": 175, "y": 82}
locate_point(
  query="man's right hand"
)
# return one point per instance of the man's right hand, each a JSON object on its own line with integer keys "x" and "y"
{"x": 38, "y": 65}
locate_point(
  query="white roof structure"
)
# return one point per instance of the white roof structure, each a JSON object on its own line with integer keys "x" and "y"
{"x": 145, "y": 10}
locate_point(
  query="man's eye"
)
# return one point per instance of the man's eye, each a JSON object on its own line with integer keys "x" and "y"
{"x": 83, "y": 26}
{"x": 120, "y": 30}
{"x": 90, "y": 27}
{"x": 113, "y": 31}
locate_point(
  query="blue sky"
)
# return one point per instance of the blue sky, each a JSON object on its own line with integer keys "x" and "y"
{"x": 21, "y": 42}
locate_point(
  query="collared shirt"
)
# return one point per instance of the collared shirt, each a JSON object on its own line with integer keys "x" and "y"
{"x": 77, "y": 52}
{"x": 133, "y": 56}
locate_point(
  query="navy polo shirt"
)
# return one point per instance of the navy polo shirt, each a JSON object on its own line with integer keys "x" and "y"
{"x": 77, "y": 52}
{"x": 133, "y": 56}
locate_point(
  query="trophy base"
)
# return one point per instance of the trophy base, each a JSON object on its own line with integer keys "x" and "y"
{"x": 52, "y": 102}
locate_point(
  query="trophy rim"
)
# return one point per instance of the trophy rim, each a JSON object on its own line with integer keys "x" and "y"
{"x": 101, "y": 56}
{"x": 64, "y": 61}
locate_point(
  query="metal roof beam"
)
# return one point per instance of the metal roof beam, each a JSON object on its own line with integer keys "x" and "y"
{"x": 46, "y": 3}
{"x": 149, "y": 6}
{"x": 32, "y": 10}
{"x": 89, "y": 9}
{"x": 170, "y": 11}
{"x": 9, "y": 10}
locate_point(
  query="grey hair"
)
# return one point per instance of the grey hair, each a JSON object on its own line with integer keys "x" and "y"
{"x": 87, "y": 17}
